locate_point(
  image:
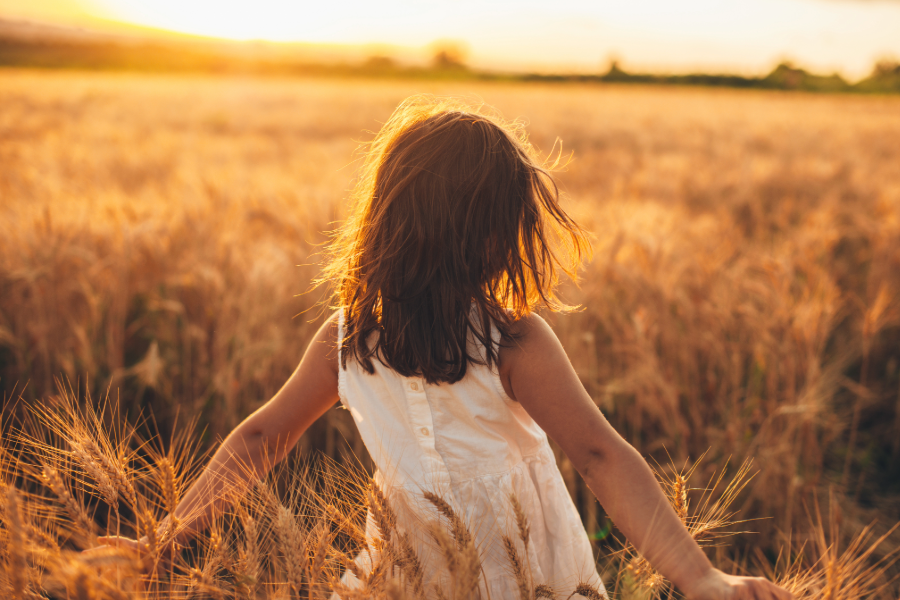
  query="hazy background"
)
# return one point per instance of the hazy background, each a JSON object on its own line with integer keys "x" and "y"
{"x": 166, "y": 195}
{"x": 741, "y": 36}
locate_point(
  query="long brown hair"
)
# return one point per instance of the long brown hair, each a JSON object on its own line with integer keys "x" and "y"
{"x": 455, "y": 225}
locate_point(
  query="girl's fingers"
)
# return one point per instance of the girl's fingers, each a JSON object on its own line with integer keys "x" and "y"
{"x": 766, "y": 590}
{"x": 780, "y": 593}
{"x": 116, "y": 542}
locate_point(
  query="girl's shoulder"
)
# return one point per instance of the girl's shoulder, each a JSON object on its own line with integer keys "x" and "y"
{"x": 530, "y": 339}
{"x": 527, "y": 331}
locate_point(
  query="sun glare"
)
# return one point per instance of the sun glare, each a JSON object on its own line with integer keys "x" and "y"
{"x": 275, "y": 20}
{"x": 747, "y": 36}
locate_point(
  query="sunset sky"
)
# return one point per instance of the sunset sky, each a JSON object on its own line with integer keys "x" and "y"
{"x": 747, "y": 36}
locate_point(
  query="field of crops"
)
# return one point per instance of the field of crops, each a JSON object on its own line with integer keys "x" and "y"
{"x": 159, "y": 237}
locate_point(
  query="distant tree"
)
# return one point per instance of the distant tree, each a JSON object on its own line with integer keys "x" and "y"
{"x": 615, "y": 72}
{"x": 380, "y": 63}
{"x": 449, "y": 55}
{"x": 886, "y": 68}
{"x": 885, "y": 77}
{"x": 786, "y": 76}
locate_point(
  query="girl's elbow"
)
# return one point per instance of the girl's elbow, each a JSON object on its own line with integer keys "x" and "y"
{"x": 250, "y": 438}
{"x": 601, "y": 458}
{"x": 593, "y": 464}
{"x": 257, "y": 430}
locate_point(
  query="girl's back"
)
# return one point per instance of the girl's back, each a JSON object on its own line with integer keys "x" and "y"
{"x": 453, "y": 243}
{"x": 454, "y": 240}
{"x": 473, "y": 445}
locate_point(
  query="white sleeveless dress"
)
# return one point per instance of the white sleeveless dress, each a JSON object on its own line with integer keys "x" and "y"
{"x": 474, "y": 445}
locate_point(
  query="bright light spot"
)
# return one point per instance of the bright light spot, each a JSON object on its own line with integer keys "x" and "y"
{"x": 739, "y": 35}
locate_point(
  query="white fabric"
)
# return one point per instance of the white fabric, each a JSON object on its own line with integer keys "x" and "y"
{"x": 471, "y": 443}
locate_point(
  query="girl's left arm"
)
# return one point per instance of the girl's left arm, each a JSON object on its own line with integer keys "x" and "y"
{"x": 538, "y": 374}
{"x": 262, "y": 439}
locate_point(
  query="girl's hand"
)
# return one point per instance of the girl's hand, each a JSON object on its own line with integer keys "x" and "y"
{"x": 141, "y": 549}
{"x": 716, "y": 585}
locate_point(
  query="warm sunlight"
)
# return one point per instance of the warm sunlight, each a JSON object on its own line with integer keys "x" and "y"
{"x": 244, "y": 19}
{"x": 747, "y": 36}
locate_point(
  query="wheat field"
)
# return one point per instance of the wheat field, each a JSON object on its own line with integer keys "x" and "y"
{"x": 160, "y": 236}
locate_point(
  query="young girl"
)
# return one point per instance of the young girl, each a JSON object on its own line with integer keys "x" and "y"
{"x": 454, "y": 382}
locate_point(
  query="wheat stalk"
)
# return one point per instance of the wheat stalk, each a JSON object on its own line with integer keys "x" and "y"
{"x": 16, "y": 568}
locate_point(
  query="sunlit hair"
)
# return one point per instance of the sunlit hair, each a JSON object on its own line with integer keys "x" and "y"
{"x": 455, "y": 225}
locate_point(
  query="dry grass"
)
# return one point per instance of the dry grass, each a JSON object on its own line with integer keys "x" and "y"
{"x": 300, "y": 545}
{"x": 743, "y": 297}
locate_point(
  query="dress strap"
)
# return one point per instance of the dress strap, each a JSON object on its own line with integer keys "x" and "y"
{"x": 342, "y": 372}
{"x": 340, "y": 333}
{"x": 496, "y": 338}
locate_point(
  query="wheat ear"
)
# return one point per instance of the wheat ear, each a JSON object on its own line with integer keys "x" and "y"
{"x": 15, "y": 566}
{"x": 462, "y": 562}
{"x": 288, "y": 535}
{"x": 114, "y": 469}
{"x": 101, "y": 479}
{"x": 81, "y": 588}
{"x": 518, "y": 568}
{"x": 679, "y": 497}
{"x": 168, "y": 480}
{"x": 466, "y": 560}
{"x": 350, "y": 565}
{"x": 521, "y": 520}
{"x": 410, "y": 564}
{"x": 457, "y": 527}
{"x": 203, "y": 581}
{"x": 246, "y": 568}
{"x": 386, "y": 520}
{"x": 524, "y": 535}
{"x": 52, "y": 479}
{"x": 382, "y": 513}
{"x": 292, "y": 544}
{"x": 320, "y": 554}
{"x": 394, "y": 591}
{"x": 588, "y": 591}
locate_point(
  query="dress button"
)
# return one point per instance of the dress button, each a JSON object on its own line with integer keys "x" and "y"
{"x": 424, "y": 431}
{"x": 414, "y": 386}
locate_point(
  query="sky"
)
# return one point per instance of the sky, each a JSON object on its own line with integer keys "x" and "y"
{"x": 743, "y": 36}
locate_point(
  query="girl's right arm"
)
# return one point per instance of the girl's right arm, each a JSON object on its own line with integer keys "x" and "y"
{"x": 537, "y": 373}
{"x": 261, "y": 440}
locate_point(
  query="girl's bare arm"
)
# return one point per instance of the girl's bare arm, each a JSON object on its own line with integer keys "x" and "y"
{"x": 537, "y": 373}
{"x": 264, "y": 437}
